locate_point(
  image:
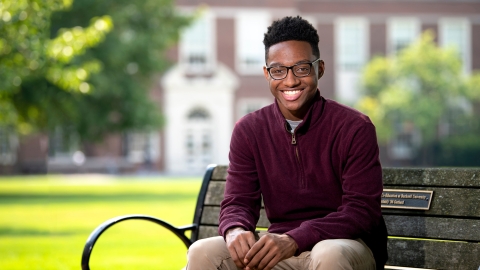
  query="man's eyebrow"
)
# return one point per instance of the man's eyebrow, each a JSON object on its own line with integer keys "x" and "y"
{"x": 298, "y": 62}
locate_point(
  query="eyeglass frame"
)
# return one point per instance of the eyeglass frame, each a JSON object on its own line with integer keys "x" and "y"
{"x": 291, "y": 67}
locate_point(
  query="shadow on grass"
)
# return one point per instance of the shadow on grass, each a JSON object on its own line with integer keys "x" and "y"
{"x": 32, "y": 198}
{"x": 12, "y": 232}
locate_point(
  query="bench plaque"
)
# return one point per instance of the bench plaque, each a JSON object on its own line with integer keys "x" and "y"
{"x": 407, "y": 199}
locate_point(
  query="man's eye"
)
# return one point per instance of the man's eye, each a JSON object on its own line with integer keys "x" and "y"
{"x": 302, "y": 69}
{"x": 277, "y": 71}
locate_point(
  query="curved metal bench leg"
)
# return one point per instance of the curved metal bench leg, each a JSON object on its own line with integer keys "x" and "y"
{"x": 92, "y": 239}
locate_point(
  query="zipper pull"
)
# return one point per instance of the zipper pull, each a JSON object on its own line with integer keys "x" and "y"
{"x": 294, "y": 141}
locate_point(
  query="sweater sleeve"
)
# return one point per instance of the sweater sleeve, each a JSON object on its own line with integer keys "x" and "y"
{"x": 242, "y": 198}
{"x": 359, "y": 213}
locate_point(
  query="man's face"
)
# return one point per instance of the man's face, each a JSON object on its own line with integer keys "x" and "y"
{"x": 294, "y": 95}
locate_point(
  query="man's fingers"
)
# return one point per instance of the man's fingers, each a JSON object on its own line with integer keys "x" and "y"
{"x": 237, "y": 259}
{"x": 269, "y": 261}
{"x": 235, "y": 250}
{"x": 257, "y": 253}
{"x": 252, "y": 253}
{"x": 269, "y": 250}
{"x": 246, "y": 241}
{"x": 238, "y": 244}
{"x": 262, "y": 255}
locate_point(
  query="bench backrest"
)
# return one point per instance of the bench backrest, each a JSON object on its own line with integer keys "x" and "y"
{"x": 446, "y": 236}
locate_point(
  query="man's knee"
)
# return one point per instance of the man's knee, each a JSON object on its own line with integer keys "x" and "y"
{"x": 343, "y": 254}
{"x": 208, "y": 253}
{"x": 329, "y": 249}
{"x": 207, "y": 247}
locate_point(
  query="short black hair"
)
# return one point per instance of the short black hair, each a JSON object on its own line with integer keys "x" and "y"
{"x": 291, "y": 28}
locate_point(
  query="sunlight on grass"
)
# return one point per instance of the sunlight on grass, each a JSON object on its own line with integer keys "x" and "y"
{"x": 47, "y": 219}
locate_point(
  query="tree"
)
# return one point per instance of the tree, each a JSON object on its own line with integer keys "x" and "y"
{"x": 420, "y": 90}
{"x": 26, "y": 50}
{"x": 89, "y": 65}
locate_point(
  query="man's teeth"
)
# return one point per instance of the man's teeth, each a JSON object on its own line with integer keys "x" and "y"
{"x": 292, "y": 92}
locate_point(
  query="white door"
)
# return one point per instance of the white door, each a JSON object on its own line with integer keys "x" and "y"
{"x": 198, "y": 141}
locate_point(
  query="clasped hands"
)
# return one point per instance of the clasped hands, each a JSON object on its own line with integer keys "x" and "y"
{"x": 265, "y": 253}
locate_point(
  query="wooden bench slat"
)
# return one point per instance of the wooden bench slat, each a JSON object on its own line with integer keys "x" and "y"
{"x": 220, "y": 173}
{"x": 207, "y": 231}
{"x": 391, "y": 267}
{"x": 464, "y": 202}
{"x": 215, "y": 193}
{"x": 432, "y": 227}
{"x": 210, "y": 215}
{"x": 434, "y": 254}
{"x": 466, "y": 177}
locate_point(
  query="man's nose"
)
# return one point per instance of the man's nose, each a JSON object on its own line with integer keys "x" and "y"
{"x": 291, "y": 80}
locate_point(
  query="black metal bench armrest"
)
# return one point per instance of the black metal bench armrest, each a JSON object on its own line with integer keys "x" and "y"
{"x": 178, "y": 231}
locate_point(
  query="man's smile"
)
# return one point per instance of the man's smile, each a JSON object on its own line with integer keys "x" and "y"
{"x": 291, "y": 92}
{"x": 291, "y": 95}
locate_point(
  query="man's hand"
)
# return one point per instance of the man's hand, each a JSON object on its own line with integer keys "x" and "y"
{"x": 239, "y": 243}
{"x": 269, "y": 250}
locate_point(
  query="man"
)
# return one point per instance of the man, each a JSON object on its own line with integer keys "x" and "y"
{"x": 315, "y": 164}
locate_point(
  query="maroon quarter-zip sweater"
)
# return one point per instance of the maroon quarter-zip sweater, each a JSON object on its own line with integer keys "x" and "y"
{"x": 324, "y": 181}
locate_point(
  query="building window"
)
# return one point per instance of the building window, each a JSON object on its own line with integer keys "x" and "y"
{"x": 197, "y": 45}
{"x": 352, "y": 53}
{"x": 250, "y": 51}
{"x": 455, "y": 32}
{"x": 401, "y": 33}
{"x": 352, "y": 44}
{"x": 8, "y": 146}
{"x": 63, "y": 143}
{"x": 143, "y": 147}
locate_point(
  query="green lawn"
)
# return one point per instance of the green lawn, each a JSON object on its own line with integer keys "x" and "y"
{"x": 45, "y": 221}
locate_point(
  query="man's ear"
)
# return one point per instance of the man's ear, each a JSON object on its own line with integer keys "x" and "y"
{"x": 321, "y": 69}
{"x": 265, "y": 73}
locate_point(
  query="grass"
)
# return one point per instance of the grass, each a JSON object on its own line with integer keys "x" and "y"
{"x": 45, "y": 221}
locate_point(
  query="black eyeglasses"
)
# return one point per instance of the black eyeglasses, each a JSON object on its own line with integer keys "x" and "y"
{"x": 299, "y": 70}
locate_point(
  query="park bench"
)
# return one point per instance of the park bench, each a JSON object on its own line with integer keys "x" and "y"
{"x": 432, "y": 217}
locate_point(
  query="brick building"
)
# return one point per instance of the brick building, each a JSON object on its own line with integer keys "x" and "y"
{"x": 218, "y": 77}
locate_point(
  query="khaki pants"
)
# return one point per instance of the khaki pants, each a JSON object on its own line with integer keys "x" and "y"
{"x": 212, "y": 253}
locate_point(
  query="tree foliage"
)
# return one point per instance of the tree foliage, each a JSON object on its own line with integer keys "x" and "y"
{"x": 85, "y": 64}
{"x": 27, "y": 51}
{"x": 421, "y": 88}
